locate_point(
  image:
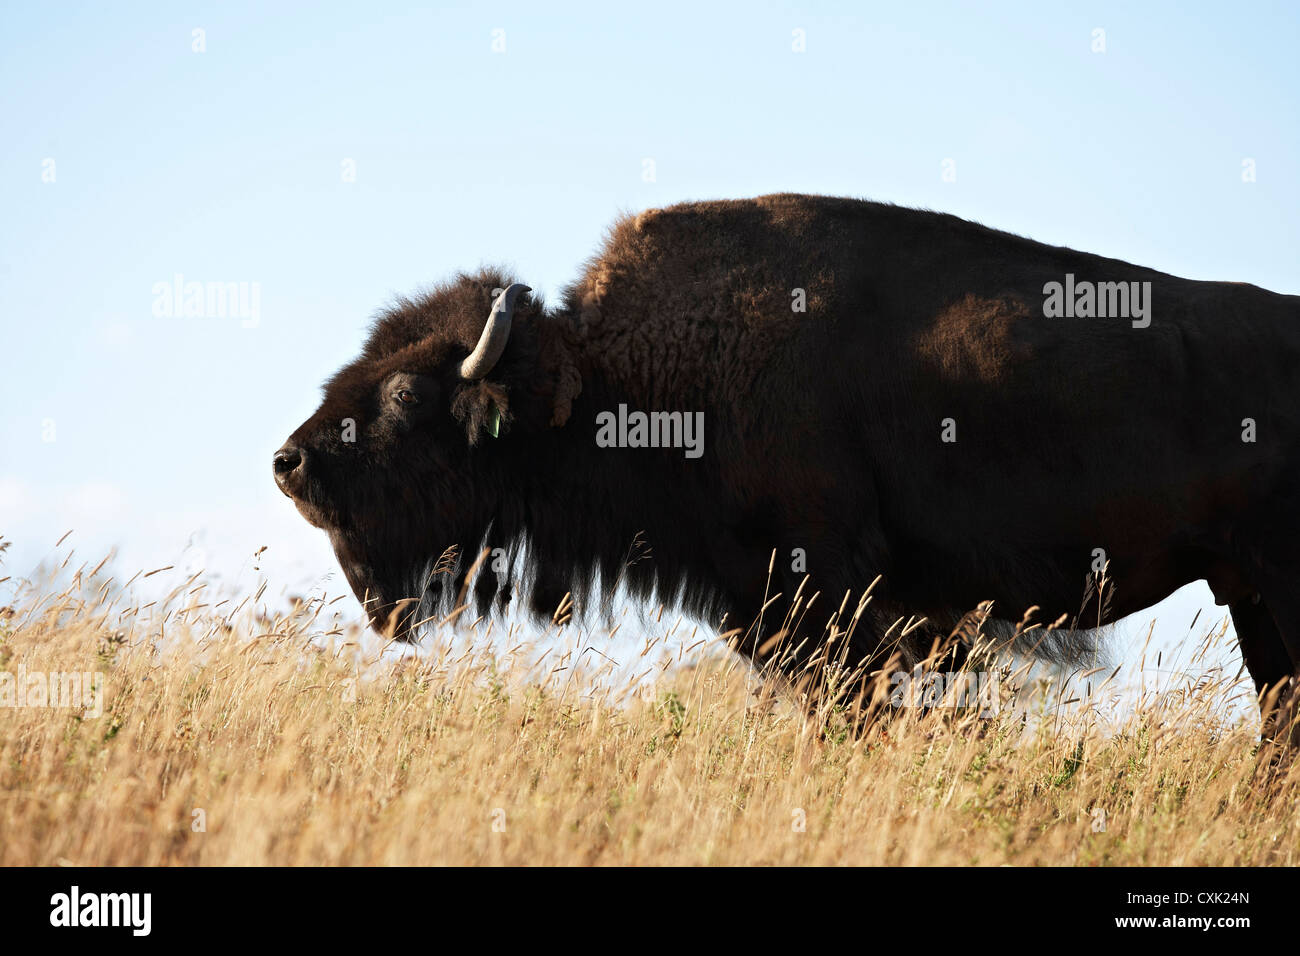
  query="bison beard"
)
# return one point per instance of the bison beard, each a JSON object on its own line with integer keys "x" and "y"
{"x": 885, "y": 393}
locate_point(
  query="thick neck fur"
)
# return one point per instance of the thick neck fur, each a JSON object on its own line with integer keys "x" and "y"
{"x": 638, "y": 516}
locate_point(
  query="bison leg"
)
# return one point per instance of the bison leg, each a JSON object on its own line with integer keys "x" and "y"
{"x": 1270, "y": 666}
{"x": 548, "y": 595}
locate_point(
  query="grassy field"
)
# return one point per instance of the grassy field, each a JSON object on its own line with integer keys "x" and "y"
{"x": 224, "y": 736}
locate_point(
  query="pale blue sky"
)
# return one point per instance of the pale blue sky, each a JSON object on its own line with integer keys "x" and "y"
{"x": 225, "y": 165}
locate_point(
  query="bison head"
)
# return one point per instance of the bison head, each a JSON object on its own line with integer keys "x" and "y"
{"x": 400, "y": 465}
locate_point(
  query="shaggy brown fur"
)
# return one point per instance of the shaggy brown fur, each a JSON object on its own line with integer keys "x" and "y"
{"x": 824, "y": 429}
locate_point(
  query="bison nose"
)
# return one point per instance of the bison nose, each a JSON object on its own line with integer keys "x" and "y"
{"x": 288, "y": 466}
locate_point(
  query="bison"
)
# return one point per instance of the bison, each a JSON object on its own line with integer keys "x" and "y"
{"x": 858, "y": 388}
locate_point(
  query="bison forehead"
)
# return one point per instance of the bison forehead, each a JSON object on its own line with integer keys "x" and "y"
{"x": 361, "y": 377}
{"x": 448, "y": 315}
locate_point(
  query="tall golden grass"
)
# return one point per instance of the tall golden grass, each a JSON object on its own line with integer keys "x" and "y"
{"x": 230, "y": 736}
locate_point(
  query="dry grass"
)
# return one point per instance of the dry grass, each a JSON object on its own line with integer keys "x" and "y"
{"x": 292, "y": 744}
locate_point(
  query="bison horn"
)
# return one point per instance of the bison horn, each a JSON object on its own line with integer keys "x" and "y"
{"x": 495, "y": 335}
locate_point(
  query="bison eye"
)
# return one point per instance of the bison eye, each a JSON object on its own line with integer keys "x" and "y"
{"x": 406, "y": 397}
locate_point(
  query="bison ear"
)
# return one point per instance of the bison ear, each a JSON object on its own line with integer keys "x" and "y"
{"x": 482, "y": 407}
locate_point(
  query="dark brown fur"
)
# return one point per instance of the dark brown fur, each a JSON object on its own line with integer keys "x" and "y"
{"x": 822, "y": 429}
